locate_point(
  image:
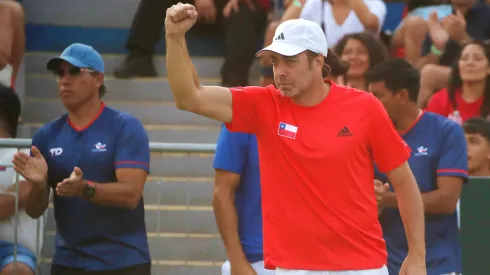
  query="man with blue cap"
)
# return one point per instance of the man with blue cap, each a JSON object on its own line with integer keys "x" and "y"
{"x": 96, "y": 160}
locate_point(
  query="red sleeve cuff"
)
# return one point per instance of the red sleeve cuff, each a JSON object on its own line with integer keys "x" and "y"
{"x": 452, "y": 172}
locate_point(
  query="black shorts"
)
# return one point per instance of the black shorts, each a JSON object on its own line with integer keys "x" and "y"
{"x": 140, "y": 269}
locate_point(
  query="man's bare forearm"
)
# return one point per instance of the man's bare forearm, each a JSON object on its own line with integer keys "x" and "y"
{"x": 292, "y": 12}
{"x": 434, "y": 202}
{"x": 38, "y": 200}
{"x": 116, "y": 194}
{"x": 227, "y": 220}
{"x": 182, "y": 76}
{"x": 7, "y": 202}
{"x": 412, "y": 213}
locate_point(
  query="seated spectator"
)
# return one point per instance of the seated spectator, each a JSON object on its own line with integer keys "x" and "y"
{"x": 477, "y": 132}
{"x": 468, "y": 93}
{"x": 243, "y": 24}
{"x": 362, "y": 51}
{"x": 12, "y": 41}
{"x": 336, "y": 17}
{"x": 411, "y": 32}
{"x": 26, "y": 226}
{"x": 341, "y": 17}
{"x": 470, "y": 20}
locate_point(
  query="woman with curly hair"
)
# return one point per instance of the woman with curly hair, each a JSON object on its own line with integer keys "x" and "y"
{"x": 361, "y": 51}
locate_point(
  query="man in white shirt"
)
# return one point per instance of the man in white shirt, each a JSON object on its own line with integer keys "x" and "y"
{"x": 341, "y": 17}
{"x": 26, "y": 227}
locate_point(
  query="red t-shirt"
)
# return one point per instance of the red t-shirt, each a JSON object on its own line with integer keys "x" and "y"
{"x": 316, "y": 166}
{"x": 440, "y": 104}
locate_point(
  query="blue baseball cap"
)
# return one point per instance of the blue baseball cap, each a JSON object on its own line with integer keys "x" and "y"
{"x": 78, "y": 55}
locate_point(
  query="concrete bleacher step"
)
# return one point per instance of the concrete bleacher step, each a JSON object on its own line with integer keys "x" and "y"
{"x": 181, "y": 165}
{"x": 135, "y": 90}
{"x": 148, "y": 112}
{"x": 206, "y": 67}
{"x": 179, "y": 191}
{"x": 156, "y": 133}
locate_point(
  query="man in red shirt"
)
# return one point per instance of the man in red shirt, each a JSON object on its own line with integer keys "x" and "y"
{"x": 317, "y": 141}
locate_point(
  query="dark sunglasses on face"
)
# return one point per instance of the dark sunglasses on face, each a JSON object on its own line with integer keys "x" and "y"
{"x": 73, "y": 72}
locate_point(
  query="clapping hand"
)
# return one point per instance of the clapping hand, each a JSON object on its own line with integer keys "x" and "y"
{"x": 72, "y": 186}
{"x": 437, "y": 32}
{"x": 455, "y": 25}
{"x": 33, "y": 169}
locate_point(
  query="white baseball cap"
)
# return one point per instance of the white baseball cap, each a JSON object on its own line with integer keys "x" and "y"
{"x": 295, "y": 36}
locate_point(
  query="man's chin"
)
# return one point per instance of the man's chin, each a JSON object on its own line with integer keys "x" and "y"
{"x": 288, "y": 92}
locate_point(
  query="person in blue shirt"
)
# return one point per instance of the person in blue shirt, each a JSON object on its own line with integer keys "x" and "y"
{"x": 237, "y": 203}
{"x": 438, "y": 161}
{"x": 96, "y": 160}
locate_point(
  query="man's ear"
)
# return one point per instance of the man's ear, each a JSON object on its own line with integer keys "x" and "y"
{"x": 404, "y": 95}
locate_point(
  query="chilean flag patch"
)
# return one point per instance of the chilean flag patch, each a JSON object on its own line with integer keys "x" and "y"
{"x": 287, "y": 130}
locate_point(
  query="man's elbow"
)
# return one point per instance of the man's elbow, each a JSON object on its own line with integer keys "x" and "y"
{"x": 190, "y": 103}
{"x": 222, "y": 195}
{"x": 184, "y": 105}
{"x": 448, "y": 207}
{"x": 132, "y": 202}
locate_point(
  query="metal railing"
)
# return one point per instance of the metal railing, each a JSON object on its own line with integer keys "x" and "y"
{"x": 26, "y": 144}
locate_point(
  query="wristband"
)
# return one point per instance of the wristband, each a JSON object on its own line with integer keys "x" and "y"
{"x": 297, "y": 3}
{"x": 435, "y": 51}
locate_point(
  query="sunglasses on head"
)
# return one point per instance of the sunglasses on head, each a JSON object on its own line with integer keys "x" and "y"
{"x": 73, "y": 72}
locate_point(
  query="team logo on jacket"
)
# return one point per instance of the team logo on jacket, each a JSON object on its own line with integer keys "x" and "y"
{"x": 421, "y": 151}
{"x": 99, "y": 147}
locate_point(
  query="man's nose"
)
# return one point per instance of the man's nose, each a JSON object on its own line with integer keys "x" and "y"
{"x": 280, "y": 69}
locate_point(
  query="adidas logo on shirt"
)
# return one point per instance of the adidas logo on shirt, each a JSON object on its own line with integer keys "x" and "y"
{"x": 280, "y": 37}
{"x": 344, "y": 133}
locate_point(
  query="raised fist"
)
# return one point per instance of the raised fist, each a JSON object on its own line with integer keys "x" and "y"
{"x": 180, "y": 18}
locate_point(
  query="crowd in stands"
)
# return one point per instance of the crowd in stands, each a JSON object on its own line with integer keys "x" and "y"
{"x": 447, "y": 41}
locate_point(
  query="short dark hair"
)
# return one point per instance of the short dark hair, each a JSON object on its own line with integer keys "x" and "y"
{"x": 10, "y": 110}
{"x": 477, "y": 125}
{"x": 397, "y": 74}
{"x": 102, "y": 90}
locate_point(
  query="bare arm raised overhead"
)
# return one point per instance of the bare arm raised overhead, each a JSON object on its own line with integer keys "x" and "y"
{"x": 211, "y": 101}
